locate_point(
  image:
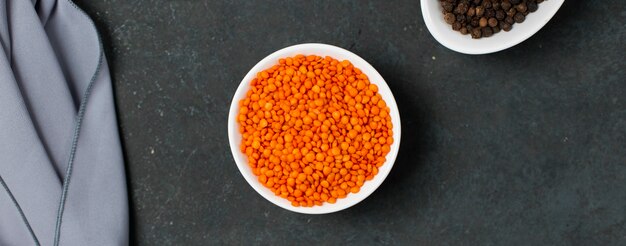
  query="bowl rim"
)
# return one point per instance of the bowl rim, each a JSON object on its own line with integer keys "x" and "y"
{"x": 437, "y": 33}
{"x": 234, "y": 136}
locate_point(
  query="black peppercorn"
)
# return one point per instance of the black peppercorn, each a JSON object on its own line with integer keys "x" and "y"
{"x": 511, "y": 12}
{"x": 449, "y": 18}
{"x": 456, "y": 26}
{"x": 519, "y": 18}
{"x": 471, "y": 12}
{"x": 521, "y": 7}
{"x": 475, "y": 22}
{"x": 480, "y": 11}
{"x": 490, "y": 13}
{"x": 463, "y": 30}
{"x": 461, "y": 18}
{"x": 532, "y": 6}
{"x": 495, "y": 5}
{"x": 505, "y": 6}
{"x": 487, "y": 4}
{"x": 461, "y": 8}
{"x": 500, "y": 14}
{"x": 476, "y": 33}
{"x": 447, "y": 7}
{"x": 507, "y": 27}
{"x": 492, "y": 22}
{"x": 515, "y": 2}
{"x": 487, "y": 32}
{"x": 483, "y": 22}
{"x": 509, "y": 20}
{"x": 496, "y": 29}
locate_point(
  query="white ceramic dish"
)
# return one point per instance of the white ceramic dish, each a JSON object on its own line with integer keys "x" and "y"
{"x": 322, "y": 50}
{"x": 443, "y": 33}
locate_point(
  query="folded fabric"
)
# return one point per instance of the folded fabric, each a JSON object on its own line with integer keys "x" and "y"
{"x": 61, "y": 166}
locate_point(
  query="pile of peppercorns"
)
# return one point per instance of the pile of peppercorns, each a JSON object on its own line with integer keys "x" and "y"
{"x": 483, "y": 18}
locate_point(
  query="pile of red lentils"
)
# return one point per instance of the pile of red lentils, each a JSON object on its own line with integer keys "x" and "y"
{"x": 314, "y": 129}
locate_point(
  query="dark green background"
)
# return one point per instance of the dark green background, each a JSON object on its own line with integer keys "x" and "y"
{"x": 521, "y": 147}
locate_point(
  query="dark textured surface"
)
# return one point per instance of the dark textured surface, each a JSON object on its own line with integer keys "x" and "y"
{"x": 521, "y": 147}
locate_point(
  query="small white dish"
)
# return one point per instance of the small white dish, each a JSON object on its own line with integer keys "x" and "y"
{"x": 454, "y": 40}
{"x": 234, "y": 136}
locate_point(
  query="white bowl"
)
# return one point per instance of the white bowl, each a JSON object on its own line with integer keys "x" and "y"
{"x": 454, "y": 40}
{"x": 322, "y": 50}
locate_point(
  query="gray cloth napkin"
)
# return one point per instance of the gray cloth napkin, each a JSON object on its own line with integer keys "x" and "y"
{"x": 61, "y": 167}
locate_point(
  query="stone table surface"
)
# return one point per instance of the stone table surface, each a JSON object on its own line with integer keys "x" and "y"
{"x": 521, "y": 147}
